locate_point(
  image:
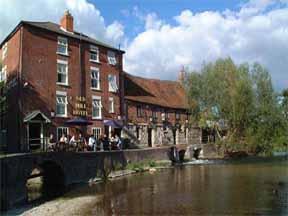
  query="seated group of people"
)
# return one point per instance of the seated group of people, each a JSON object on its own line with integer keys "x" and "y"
{"x": 79, "y": 143}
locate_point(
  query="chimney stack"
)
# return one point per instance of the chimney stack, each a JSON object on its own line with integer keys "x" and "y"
{"x": 67, "y": 21}
{"x": 181, "y": 75}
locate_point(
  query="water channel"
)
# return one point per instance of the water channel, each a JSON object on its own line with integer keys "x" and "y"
{"x": 249, "y": 188}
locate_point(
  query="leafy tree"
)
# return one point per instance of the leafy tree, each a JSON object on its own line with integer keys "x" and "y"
{"x": 241, "y": 96}
{"x": 285, "y": 103}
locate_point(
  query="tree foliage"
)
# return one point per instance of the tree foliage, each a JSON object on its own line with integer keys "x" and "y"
{"x": 242, "y": 97}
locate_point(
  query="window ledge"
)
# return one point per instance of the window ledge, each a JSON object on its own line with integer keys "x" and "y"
{"x": 96, "y": 118}
{"x": 63, "y": 54}
{"x": 95, "y": 89}
{"x": 62, "y": 84}
{"x": 61, "y": 116}
{"x": 94, "y": 61}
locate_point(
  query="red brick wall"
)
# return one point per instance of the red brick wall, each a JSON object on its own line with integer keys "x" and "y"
{"x": 40, "y": 72}
{"x": 12, "y": 61}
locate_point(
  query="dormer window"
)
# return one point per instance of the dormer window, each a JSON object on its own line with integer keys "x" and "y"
{"x": 94, "y": 53}
{"x": 62, "y": 46}
{"x": 111, "y": 58}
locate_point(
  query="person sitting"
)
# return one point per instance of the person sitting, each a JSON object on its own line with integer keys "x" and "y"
{"x": 73, "y": 143}
{"x": 118, "y": 142}
{"x": 100, "y": 143}
{"x": 51, "y": 143}
{"x": 62, "y": 142}
{"x": 82, "y": 142}
{"x": 91, "y": 143}
{"x": 106, "y": 143}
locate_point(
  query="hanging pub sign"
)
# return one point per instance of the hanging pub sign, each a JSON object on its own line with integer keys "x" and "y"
{"x": 80, "y": 108}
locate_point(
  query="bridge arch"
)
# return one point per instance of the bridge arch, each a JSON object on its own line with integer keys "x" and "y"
{"x": 51, "y": 177}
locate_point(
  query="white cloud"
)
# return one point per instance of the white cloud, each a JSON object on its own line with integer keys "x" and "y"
{"x": 257, "y": 31}
{"x": 87, "y": 18}
{"x": 253, "y": 33}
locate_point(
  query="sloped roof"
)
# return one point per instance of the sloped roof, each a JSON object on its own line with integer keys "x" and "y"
{"x": 50, "y": 26}
{"x": 34, "y": 114}
{"x": 163, "y": 93}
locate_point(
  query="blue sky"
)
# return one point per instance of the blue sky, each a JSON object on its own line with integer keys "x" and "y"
{"x": 162, "y": 36}
{"x": 122, "y": 10}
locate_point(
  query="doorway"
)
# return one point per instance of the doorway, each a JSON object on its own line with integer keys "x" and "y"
{"x": 149, "y": 137}
{"x": 35, "y": 137}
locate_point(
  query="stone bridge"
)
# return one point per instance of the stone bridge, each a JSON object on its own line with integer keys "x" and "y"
{"x": 61, "y": 169}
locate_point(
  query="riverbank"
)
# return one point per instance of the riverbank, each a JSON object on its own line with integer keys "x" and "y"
{"x": 150, "y": 192}
{"x": 71, "y": 204}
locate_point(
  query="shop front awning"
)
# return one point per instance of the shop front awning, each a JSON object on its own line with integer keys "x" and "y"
{"x": 113, "y": 123}
{"x": 36, "y": 115}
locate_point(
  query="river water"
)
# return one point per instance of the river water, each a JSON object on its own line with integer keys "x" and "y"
{"x": 250, "y": 188}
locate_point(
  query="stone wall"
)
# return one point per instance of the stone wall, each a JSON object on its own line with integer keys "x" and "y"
{"x": 161, "y": 136}
{"x": 74, "y": 168}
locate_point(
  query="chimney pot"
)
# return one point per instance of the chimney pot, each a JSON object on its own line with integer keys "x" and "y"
{"x": 67, "y": 21}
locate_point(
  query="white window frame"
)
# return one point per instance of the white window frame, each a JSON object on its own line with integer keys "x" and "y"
{"x": 111, "y": 105}
{"x": 61, "y": 94}
{"x": 98, "y": 80}
{"x": 111, "y": 56}
{"x": 62, "y": 41}
{"x": 61, "y": 128}
{"x": 96, "y": 131}
{"x": 66, "y": 73}
{"x": 112, "y": 83}
{"x": 3, "y": 73}
{"x": 99, "y": 106}
{"x": 139, "y": 111}
{"x": 94, "y": 50}
{"x": 4, "y": 50}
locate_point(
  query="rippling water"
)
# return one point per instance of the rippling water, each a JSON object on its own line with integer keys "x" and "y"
{"x": 219, "y": 189}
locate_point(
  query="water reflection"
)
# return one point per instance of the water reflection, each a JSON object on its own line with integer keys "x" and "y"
{"x": 224, "y": 189}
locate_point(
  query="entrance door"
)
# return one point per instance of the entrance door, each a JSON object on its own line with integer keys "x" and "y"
{"x": 150, "y": 137}
{"x": 174, "y": 136}
{"x": 35, "y": 136}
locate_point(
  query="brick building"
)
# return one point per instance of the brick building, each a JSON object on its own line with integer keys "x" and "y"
{"x": 157, "y": 112}
{"x": 52, "y": 74}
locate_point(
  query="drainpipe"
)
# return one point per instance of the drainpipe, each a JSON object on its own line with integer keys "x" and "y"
{"x": 19, "y": 92}
{"x": 82, "y": 82}
{"x": 121, "y": 87}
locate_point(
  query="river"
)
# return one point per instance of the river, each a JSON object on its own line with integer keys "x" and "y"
{"x": 241, "y": 188}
